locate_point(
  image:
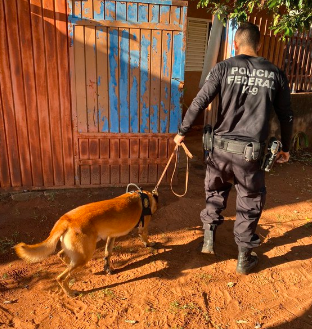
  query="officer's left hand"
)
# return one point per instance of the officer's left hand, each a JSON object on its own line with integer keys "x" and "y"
{"x": 178, "y": 139}
{"x": 282, "y": 157}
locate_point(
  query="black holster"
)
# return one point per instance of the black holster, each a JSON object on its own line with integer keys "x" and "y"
{"x": 208, "y": 138}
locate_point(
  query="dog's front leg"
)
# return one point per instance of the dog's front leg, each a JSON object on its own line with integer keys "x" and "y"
{"x": 108, "y": 252}
{"x": 143, "y": 232}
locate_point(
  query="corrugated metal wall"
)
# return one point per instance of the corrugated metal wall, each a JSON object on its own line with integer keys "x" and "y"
{"x": 36, "y": 143}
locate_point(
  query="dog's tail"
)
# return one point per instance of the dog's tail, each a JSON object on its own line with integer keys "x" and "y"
{"x": 37, "y": 252}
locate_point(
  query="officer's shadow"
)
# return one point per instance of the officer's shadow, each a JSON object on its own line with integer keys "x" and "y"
{"x": 297, "y": 252}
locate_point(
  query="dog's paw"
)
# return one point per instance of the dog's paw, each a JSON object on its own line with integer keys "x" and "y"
{"x": 108, "y": 270}
{"x": 73, "y": 293}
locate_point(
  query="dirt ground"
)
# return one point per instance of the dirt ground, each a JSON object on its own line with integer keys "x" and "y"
{"x": 172, "y": 285}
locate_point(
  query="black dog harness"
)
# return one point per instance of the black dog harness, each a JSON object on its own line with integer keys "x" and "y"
{"x": 146, "y": 208}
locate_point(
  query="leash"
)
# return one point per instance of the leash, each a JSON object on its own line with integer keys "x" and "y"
{"x": 176, "y": 151}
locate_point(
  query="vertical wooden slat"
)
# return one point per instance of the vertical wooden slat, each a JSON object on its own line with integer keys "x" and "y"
{"x": 98, "y": 10}
{"x": 163, "y": 155}
{"x": 165, "y": 92}
{"x": 134, "y": 79}
{"x": 272, "y": 49}
{"x": 53, "y": 89}
{"x": 121, "y": 11}
{"x": 293, "y": 64}
{"x": 110, "y": 10}
{"x": 143, "y": 13}
{"x": 81, "y": 100}
{"x": 102, "y": 78}
{"x": 155, "y": 81}
{"x": 124, "y": 79}
{"x": 153, "y": 154}
{"x": 84, "y": 169}
{"x": 104, "y": 154}
{"x": 91, "y": 84}
{"x": 8, "y": 104}
{"x": 303, "y": 64}
{"x": 134, "y": 154}
{"x": 143, "y": 168}
{"x": 94, "y": 151}
{"x": 30, "y": 92}
{"x": 132, "y": 12}
{"x": 77, "y": 8}
{"x": 17, "y": 85}
{"x": 154, "y": 13}
{"x": 164, "y": 14}
{"x": 64, "y": 88}
{"x": 298, "y": 65}
{"x": 309, "y": 69}
{"x": 262, "y": 24}
{"x": 175, "y": 111}
{"x": 175, "y": 15}
{"x": 4, "y": 163}
{"x": 114, "y": 154}
{"x": 87, "y": 9}
{"x": 42, "y": 91}
{"x": 145, "y": 68}
{"x": 124, "y": 154}
{"x": 113, "y": 80}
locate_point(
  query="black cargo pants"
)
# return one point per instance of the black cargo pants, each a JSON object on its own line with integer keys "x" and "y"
{"x": 249, "y": 182}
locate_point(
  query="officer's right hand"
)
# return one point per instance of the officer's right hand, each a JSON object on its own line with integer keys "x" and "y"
{"x": 178, "y": 139}
{"x": 282, "y": 157}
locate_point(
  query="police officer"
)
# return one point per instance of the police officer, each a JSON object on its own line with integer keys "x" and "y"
{"x": 248, "y": 87}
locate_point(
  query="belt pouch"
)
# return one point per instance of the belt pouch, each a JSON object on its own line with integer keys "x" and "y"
{"x": 207, "y": 138}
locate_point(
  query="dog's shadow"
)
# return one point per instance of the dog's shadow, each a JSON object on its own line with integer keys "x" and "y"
{"x": 175, "y": 259}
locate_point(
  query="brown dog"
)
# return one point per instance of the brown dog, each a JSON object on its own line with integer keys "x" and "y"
{"x": 82, "y": 227}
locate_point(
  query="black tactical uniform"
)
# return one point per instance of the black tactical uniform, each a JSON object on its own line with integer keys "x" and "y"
{"x": 248, "y": 87}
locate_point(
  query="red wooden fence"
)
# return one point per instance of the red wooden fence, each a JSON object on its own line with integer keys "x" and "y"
{"x": 35, "y": 114}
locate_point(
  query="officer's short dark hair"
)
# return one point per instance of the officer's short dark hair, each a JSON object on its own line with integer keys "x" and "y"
{"x": 248, "y": 35}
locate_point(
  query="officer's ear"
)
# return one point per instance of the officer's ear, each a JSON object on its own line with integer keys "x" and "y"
{"x": 259, "y": 46}
{"x": 235, "y": 46}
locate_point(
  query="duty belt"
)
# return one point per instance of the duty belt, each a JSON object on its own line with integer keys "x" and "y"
{"x": 252, "y": 151}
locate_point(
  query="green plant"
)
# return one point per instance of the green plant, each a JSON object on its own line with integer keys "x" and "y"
{"x": 299, "y": 141}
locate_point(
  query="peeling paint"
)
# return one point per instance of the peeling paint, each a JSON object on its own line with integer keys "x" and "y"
{"x": 133, "y": 12}
{"x": 113, "y": 99}
{"x": 143, "y": 14}
{"x": 99, "y": 14}
{"x": 124, "y": 82}
{"x": 134, "y": 106}
{"x": 105, "y": 121}
{"x": 109, "y": 10}
{"x": 121, "y": 11}
{"x": 145, "y": 43}
{"x": 99, "y": 81}
{"x": 154, "y": 118}
{"x": 155, "y": 14}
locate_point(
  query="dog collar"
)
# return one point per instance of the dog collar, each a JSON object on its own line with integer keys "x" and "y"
{"x": 146, "y": 208}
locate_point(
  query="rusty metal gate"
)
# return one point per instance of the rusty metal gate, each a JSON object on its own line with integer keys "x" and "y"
{"x": 127, "y": 64}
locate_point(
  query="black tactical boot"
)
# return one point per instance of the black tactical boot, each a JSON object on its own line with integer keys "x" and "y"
{"x": 209, "y": 239}
{"x": 247, "y": 260}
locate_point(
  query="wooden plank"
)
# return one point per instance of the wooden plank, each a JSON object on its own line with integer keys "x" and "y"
{"x": 175, "y": 15}
{"x": 42, "y": 91}
{"x": 110, "y": 10}
{"x": 64, "y": 88}
{"x": 176, "y": 78}
{"x": 134, "y": 154}
{"x": 6, "y": 95}
{"x": 165, "y": 81}
{"x": 18, "y": 87}
{"x": 294, "y": 60}
{"x": 299, "y": 61}
{"x": 143, "y": 169}
{"x": 303, "y": 64}
{"x": 53, "y": 89}
{"x": 121, "y": 24}
{"x": 87, "y": 9}
{"x": 163, "y": 155}
{"x": 102, "y": 78}
{"x": 309, "y": 70}
{"x": 171, "y": 146}
{"x": 98, "y": 10}
{"x": 104, "y": 154}
{"x": 121, "y": 11}
{"x": 81, "y": 101}
{"x": 164, "y": 14}
{"x": 143, "y": 13}
{"x": 91, "y": 82}
{"x": 153, "y": 155}
{"x": 77, "y": 8}
{"x": 154, "y": 13}
{"x": 145, "y": 66}
{"x": 134, "y": 79}
{"x": 30, "y": 96}
{"x": 262, "y": 24}
{"x": 271, "y": 50}
{"x": 85, "y": 173}
{"x": 132, "y": 12}
{"x": 124, "y": 154}
{"x": 124, "y": 57}
{"x": 114, "y": 154}
{"x": 5, "y": 180}
{"x": 113, "y": 80}
{"x": 94, "y": 151}
{"x": 155, "y": 81}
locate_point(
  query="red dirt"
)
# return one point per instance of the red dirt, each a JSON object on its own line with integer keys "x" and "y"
{"x": 173, "y": 285}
